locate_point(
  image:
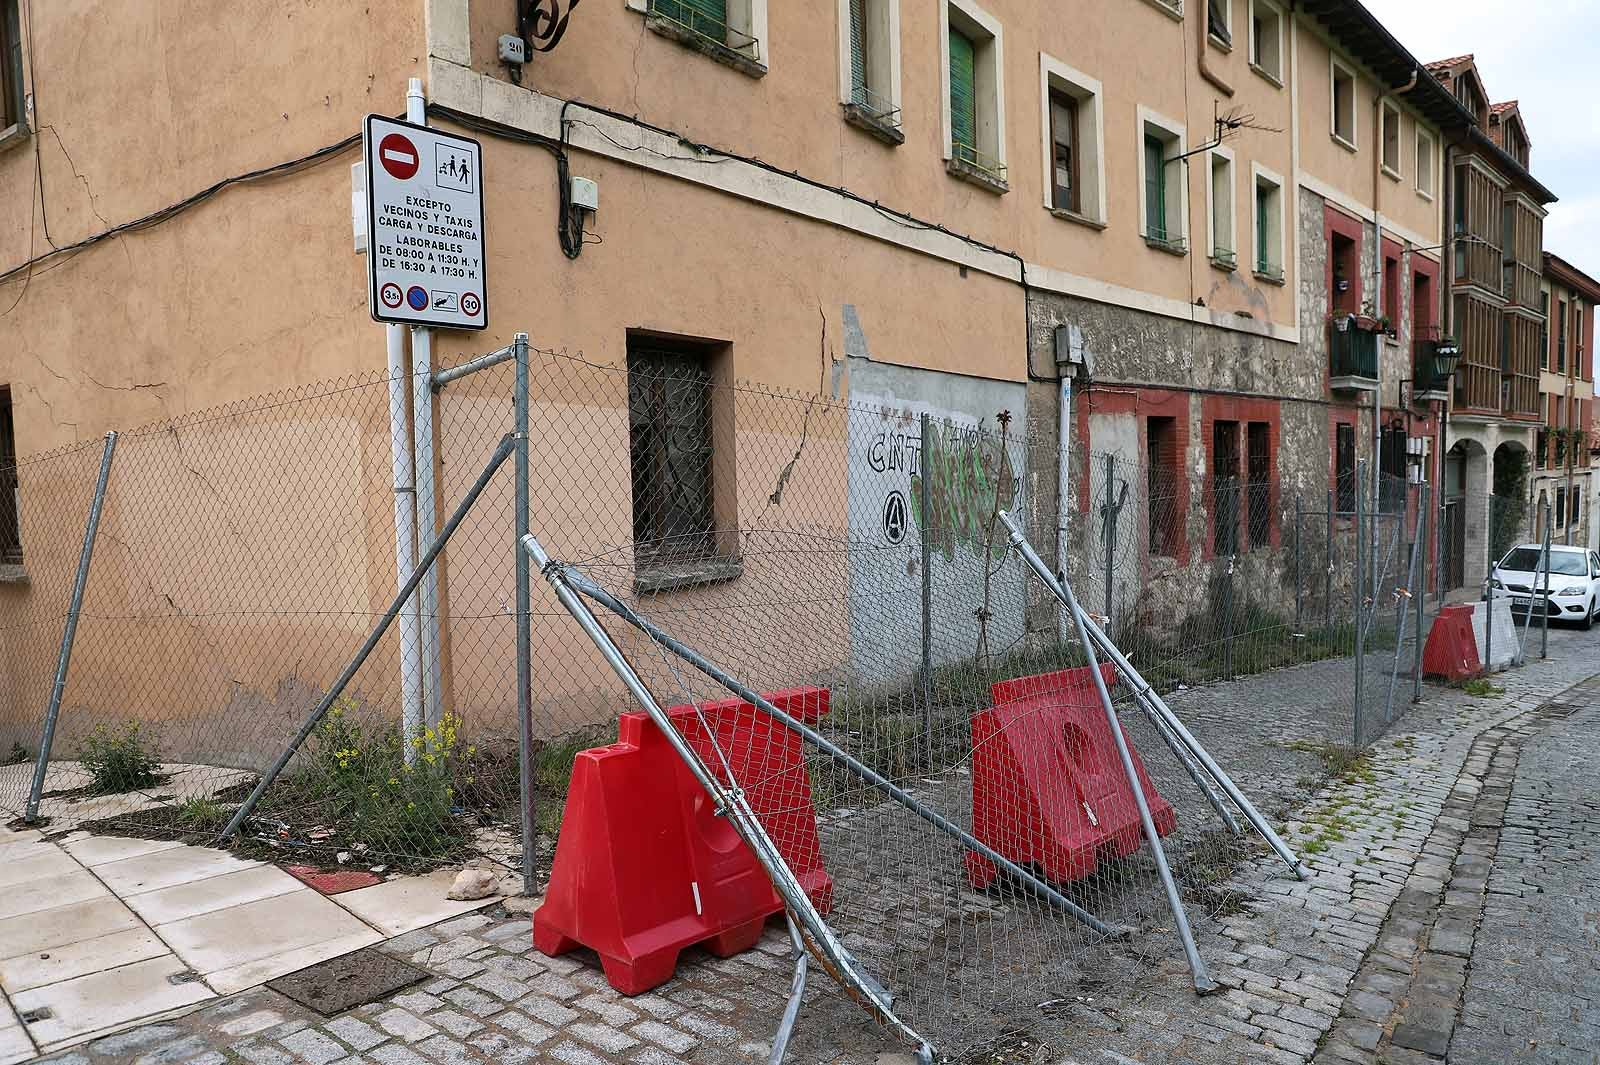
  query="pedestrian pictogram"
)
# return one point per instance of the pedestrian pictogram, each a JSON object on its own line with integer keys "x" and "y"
{"x": 398, "y": 156}
{"x": 425, "y": 258}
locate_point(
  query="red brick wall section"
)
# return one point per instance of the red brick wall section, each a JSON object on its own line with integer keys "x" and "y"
{"x": 1143, "y": 403}
{"x": 1336, "y": 221}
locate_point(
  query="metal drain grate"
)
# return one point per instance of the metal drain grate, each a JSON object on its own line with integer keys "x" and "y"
{"x": 345, "y": 983}
{"x": 1560, "y": 710}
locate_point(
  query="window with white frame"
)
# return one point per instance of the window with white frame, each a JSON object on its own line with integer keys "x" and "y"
{"x": 1268, "y": 225}
{"x": 1391, "y": 140}
{"x": 1074, "y": 140}
{"x": 974, "y": 98}
{"x": 869, "y": 64}
{"x": 1427, "y": 166}
{"x": 730, "y": 31}
{"x": 1219, "y": 21}
{"x": 1342, "y": 90}
{"x": 1164, "y": 205}
{"x": 1219, "y": 197}
{"x": 1266, "y": 39}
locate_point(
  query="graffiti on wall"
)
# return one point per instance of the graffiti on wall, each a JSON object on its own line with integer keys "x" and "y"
{"x": 969, "y": 478}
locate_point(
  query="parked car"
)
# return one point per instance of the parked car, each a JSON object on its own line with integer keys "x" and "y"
{"x": 1574, "y": 582}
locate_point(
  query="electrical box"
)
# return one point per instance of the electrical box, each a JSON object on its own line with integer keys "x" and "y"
{"x": 585, "y": 194}
{"x": 513, "y": 49}
{"x": 358, "y": 204}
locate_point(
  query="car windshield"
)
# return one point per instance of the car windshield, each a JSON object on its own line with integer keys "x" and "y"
{"x": 1566, "y": 563}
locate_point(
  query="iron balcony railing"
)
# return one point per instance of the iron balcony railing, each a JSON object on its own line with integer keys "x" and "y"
{"x": 706, "y": 28}
{"x": 1353, "y": 349}
{"x": 967, "y": 155}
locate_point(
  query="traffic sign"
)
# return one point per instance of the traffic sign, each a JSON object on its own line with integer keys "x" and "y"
{"x": 425, "y": 255}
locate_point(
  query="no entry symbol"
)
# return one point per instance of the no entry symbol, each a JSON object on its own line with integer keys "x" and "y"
{"x": 399, "y": 156}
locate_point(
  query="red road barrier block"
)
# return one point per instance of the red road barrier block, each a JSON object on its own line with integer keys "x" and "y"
{"x": 645, "y": 867}
{"x": 1048, "y": 788}
{"x": 1451, "y": 651}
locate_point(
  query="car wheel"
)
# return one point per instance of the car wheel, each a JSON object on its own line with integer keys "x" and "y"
{"x": 1588, "y": 619}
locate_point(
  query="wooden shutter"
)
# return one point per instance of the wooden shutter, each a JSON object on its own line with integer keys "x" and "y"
{"x": 1155, "y": 187}
{"x": 963, "y": 97}
{"x": 1064, "y": 138}
{"x": 858, "y": 53}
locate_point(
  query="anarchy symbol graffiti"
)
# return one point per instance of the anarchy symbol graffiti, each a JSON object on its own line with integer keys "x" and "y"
{"x": 894, "y": 518}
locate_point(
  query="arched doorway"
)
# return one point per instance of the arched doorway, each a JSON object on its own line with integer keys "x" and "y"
{"x": 1466, "y": 485}
{"x": 1508, "y": 506}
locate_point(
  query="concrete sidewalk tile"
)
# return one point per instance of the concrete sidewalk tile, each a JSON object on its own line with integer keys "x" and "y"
{"x": 259, "y": 971}
{"x": 106, "y": 999}
{"x": 73, "y": 960}
{"x": 167, "y": 868}
{"x": 61, "y": 925}
{"x": 22, "y": 849}
{"x": 102, "y": 850}
{"x": 213, "y": 893}
{"x": 37, "y": 866}
{"x": 50, "y": 892}
{"x": 15, "y": 1046}
{"x": 230, "y": 938}
{"x": 406, "y": 903}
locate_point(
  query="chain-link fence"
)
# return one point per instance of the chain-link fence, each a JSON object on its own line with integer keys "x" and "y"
{"x": 803, "y": 543}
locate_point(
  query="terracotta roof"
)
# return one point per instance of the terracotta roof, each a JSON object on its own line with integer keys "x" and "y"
{"x": 1439, "y": 65}
{"x": 1502, "y": 108}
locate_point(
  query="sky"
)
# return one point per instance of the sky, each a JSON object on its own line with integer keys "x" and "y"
{"x": 1544, "y": 54}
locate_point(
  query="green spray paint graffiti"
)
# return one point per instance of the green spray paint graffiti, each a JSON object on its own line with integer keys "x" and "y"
{"x": 967, "y": 474}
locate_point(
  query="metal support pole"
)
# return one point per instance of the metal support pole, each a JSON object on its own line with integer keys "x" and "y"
{"x": 1327, "y": 578}
{"x": 69, "y": 631}
{"x": 797, "y": 994}
{"x": 1227, "y": 620}
{"x": 1544, "y": 622}
{"x": 1148, "y": 695}
{"x": 524, "y": 578}
{"x": 1400, "y": 602}
{"x": 1357, "y": 593}
{"x": 471, "y": 366}
{"x": 857, "y": 769}
{"x": 1189, "y": 767}
{"x": 1299, "y": 582}
{"x": 1420, "y": 595}
{"x": 1489, "y": 592}
{"x": 1108, "y": 535}
{"x": 731, "y": 803}
{"x": 925, "y": 508}
{"x": 499, "y": 457}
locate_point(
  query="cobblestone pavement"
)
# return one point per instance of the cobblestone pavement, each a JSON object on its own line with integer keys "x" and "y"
{"x": 1368, "y": 957}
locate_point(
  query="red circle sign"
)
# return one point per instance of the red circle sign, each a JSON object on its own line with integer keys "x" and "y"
{"x": 390, "y": 294}
{"x": 471, "y": 305}
{"x": 399, "y": 156}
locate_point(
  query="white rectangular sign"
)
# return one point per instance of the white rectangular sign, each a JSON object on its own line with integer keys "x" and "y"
{"x": 424, "y": 226}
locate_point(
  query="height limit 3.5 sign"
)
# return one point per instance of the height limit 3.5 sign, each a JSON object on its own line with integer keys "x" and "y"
{"x": 425, "y": 226}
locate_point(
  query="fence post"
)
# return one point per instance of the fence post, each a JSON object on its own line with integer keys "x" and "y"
{"x": 1227, "y": 620}
{"x": 1299, "y": 585}
{"x": 524, "y": 580}
{"x": 924, "y": 504}
{"x": 1108, "y": 532}
{"x": 1358, "y": 591}
{"x": 1424, "y": 502}
{"x": 1488, "y": 591}
{"x": 1327, "y": 578}
{"x": 69, "y": 631}
{"x": 1544, "y": 624}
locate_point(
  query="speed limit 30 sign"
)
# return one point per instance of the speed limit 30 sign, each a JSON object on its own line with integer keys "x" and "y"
{"x": 425, "y": 261}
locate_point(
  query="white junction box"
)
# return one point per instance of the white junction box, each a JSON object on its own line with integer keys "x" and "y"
{"x": 585, "y": 194}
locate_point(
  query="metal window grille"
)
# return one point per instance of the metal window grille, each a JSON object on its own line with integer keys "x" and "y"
{"x": 669, "y": 424}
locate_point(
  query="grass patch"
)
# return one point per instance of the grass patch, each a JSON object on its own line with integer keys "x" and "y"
{"x": 19, "y": 755}
{"x": 1480, "y": 688}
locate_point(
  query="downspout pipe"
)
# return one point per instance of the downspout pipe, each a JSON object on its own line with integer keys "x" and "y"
{"x": 1202, "y": 29}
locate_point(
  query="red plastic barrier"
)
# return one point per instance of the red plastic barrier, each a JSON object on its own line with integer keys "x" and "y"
{"x": 645, "y": 867}
{"x": 1048, "y": 788}
{"x": 1451, "y": 651}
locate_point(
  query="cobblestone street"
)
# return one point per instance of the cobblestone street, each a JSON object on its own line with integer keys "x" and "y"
{"x": 1452, "y": 915}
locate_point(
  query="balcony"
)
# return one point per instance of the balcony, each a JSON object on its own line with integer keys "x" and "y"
{"x": 1431, "y": 352}
{"x": 1353, "y": 353}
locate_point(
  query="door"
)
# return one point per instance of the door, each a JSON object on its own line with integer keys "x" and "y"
{"x": 1455, "y": 546}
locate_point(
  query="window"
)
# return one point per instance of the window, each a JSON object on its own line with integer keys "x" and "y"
{"x": 1544, "y": 330}
{"x": 1219, "y": 21}
{"x": 1164, "y": 465}
{"x": 1342, "y": 255}
{"x": 1266, "y": 40}
{"x": 1391, "y": 291}
{"x": 1561, "y": 507}
{"x": 974, "y": 100}
{"x": 1344, "y": 105}
{"x": 1561, "y": 336}
{"x": 1258, "y": 493}
{"x": 730, "y": 31}
{"x": 1268, "y": 225}
{"x": 1427, "y": 176}
{"x": 1344, "y": 468}
{"x": 1541, "y": 448}
{"x": 1163, "y": 209}
{"x": 10, "y": 503}
{"x": 1391, "y": 140}
{"x": 676, "y": 465}
{"x": 1220, "y": 191}
{"x": 871, "y": 66}
{"x": 1074, "y": 140}
{"x": 1225, "y": 488}
{"x": 11, "y": 99}
{"x": 1392, "y": 471}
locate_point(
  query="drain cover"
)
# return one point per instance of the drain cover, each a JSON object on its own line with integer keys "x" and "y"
{"x": 345, "y": 983}
{"x": 1562, "y": 710}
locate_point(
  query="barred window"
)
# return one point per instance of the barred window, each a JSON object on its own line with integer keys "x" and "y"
{"x": 10, "y": 508}
{"x": 670, "y": 431}
{"x": 1225, "y": 487}
{"x": 1344, "y": 465}
{"x": 1259, "y": 492}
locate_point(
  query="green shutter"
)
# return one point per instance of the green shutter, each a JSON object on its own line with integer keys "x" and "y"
{"x": 1155, "y": 187}
{"x": 709, "y": 17}
{"x": 963, "y": 98}
{"x": 1263, "y": 220}
{"x": 858, "y": 54}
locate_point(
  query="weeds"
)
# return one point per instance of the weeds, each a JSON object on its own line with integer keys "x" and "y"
{"x": 201, "y": 815}
{"x": 19, "y": 755}
{"x": 117, "y": 760}
{"x": 1479, "y": 688}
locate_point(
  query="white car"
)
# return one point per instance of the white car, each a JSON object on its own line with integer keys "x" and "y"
{"x": 1574, "y": 582}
